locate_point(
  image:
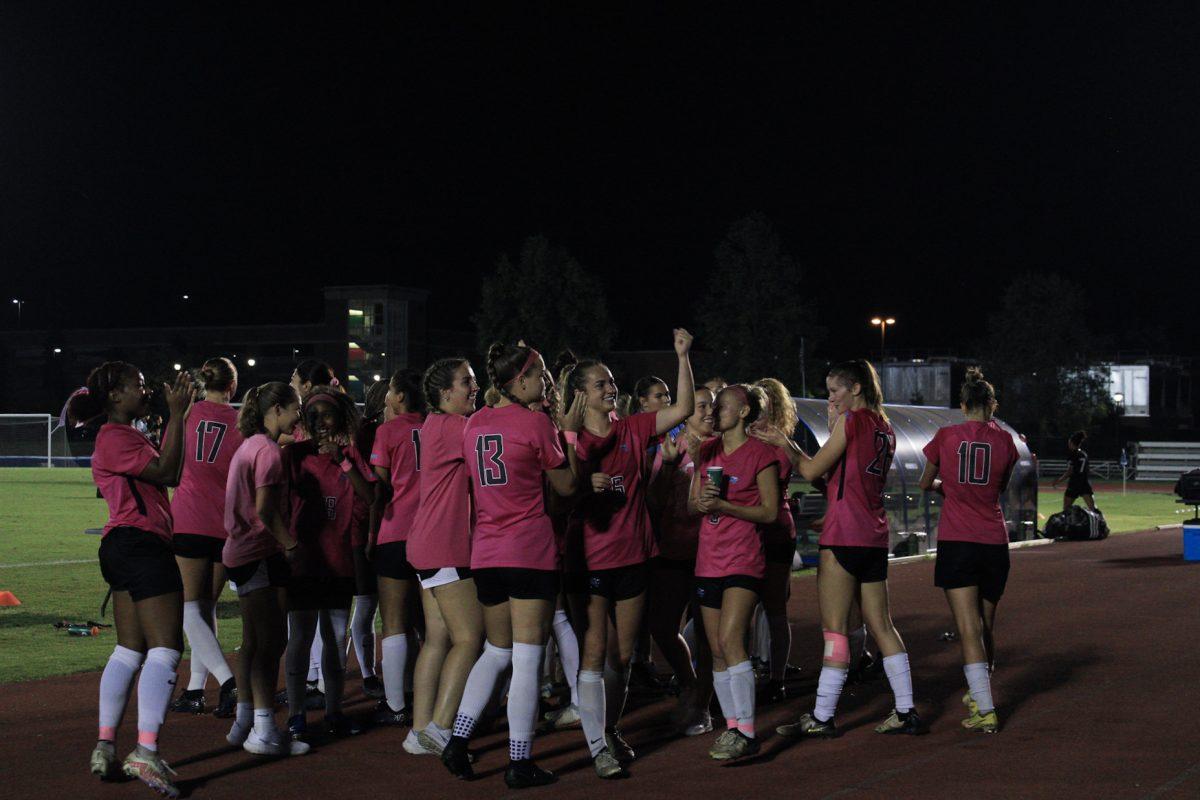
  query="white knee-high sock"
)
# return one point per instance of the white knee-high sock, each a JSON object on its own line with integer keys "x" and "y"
{"x": 760, "y": 635}
{"x": 568, "y": 651}
{"x": 362, "y": 632}
{"x": 616, "y": 690}
{"x": 523, "y": 699}
{"x": 114, "y": 689}
{"x": 829, "y": 689}
{"x": 395, "y": 658}
{"x": 781, "y": 644}
{"x": 979, "y": 682}
{"x": 492, "y": 663}
{"x": 203, "y": 641}
{"x": 154, "y": 693}
{"x": 900, "y": 677}
{"x": 591, "y": 708}
{"x": 723, "y": 688}
{"x": 741, "y": 688}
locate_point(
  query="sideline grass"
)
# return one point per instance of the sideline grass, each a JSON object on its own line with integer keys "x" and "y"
{"x": 43, "y": 513}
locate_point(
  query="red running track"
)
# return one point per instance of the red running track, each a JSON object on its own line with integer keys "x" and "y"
{"x": 1097, "y": 689}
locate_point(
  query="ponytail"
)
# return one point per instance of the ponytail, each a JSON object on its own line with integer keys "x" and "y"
{"x": 781, "y": 408}
{"x": 506, "y": 363}
{"x": 408, "y": 383}
{"x": 258, "y": 401}
{"x": 976, "y": 393}
{"x": 92, "y": 402}
{"x": 439, "y": 376}
{"x": 861, "y": 371}
{"x": 217, "y": 375}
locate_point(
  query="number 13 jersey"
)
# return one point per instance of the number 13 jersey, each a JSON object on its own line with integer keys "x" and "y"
{"x": 854, "y": 515}
{"x": 974, "y": 460}
{"x": 507, "y": 451}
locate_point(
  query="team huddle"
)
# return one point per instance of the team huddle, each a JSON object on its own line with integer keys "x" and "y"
{"x": 551, "y": 528}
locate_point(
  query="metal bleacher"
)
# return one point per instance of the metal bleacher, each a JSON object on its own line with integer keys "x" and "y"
{"x": 1164, "y": 461}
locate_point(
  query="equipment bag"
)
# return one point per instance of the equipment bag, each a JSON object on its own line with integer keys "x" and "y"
{"x": 1077, "y": 524}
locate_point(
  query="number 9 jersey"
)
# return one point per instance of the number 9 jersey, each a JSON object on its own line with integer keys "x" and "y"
{"x": 854, "y": 515}
{"x": 974, "y": 461}
{"x": 210, "y": 438}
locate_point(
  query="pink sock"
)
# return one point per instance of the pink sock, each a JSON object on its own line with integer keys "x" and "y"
{"x": 731, "y": 723}
{"x": 746, "y": 727}
{"x": 107, "y": 734}
{"x": 148, "y": 740}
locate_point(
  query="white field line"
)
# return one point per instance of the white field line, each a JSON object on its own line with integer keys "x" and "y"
{"x": 51, "y": 563}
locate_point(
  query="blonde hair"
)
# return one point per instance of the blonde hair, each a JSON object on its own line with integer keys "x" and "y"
{"x": 781, "y": 408}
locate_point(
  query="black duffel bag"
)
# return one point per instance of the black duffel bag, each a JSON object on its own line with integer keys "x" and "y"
{"x": 1077, "y": 524}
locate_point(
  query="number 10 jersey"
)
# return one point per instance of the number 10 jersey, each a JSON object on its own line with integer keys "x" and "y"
{"x": 974, "y": 461}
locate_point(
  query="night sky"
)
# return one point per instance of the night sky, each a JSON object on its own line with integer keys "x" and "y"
{"x": 912, "y": 161}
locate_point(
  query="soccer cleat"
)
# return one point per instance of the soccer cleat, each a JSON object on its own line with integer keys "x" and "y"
{"x": 314, "y": 698}
{"x": 227, "y": 705}
{"x": 150, "y": 769}
{"x": 699, "y": 725}
{"x": 907, "y": 722}
{"x": 297, "y": 727}
{"x": 607, "y": 766}
{"x": 524, "y": 773}
{"x": 420, "y": 743}
{"x": 808, "y": 727}
{"x": 190, "y": 701}
{"x": 617, "y": 745}
{"x": 280, "y": 745}
{"x": 737, "y": 745}
{"x": 562, "y": 718}
{"x": 104, "y": 760}
{"x": 341, "y": 726}
{"x": 384, "y": 715}
{"x": 982, "y": 723}
{"x": 970, "y": 703}
{"x": 373, "y": 687}
{"x": 456, "y": 759}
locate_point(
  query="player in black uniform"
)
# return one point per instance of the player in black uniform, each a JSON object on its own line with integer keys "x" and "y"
{"x": 1076, "y": 475}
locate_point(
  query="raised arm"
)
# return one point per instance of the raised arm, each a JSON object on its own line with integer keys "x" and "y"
{"x": 827, "y": 456}
{"x": 685, "y": 387}
{"x": 564, "y": 480}
{"x": 166, "y": 469}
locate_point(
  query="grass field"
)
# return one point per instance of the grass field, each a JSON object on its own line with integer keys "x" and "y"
{"x": 50, "y": 565}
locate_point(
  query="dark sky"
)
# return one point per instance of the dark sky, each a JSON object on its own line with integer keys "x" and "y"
{"x": 911, "y": 161}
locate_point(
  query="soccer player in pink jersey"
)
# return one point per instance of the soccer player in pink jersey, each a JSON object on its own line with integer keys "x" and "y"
{"x": 137, "y": 562}
{"x": 514, "y": 555}
{"x": 735, "y": 486}
{"x": 854, "y": 548}
{"x": 394, "y": 457}
{"x": 325, "y": 472}
{"x": 674, "y": 569}
{"x": 439, "y": 549}
{"x": 779, "y": 538}
{"x": 970, "y": 463}
{"x": 257, "y": 555}
{"x": 618, "y": 541}
{"x": 198, "y": 506}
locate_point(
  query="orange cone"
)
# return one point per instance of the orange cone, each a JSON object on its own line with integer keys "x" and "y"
{"x": 9, "y": 599}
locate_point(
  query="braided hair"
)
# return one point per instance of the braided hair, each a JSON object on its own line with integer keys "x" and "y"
{"x": 504, "y": 365}
{"x": 439, "y": 376}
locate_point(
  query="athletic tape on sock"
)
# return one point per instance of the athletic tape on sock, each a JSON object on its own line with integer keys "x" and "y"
{"x": 837, "y": 647}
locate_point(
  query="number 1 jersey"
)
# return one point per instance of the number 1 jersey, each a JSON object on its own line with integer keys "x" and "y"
{"x": 854, "y": 515}
{"x": 974, "y": 460}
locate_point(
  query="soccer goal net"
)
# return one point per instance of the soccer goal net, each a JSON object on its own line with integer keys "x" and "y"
{"x": 31, "y": 440}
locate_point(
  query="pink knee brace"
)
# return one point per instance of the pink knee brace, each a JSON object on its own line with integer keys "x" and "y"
{"x": 837, "y": 647}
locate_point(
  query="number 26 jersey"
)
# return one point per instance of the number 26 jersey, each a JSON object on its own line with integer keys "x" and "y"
{"x": 854, "y": 515}
{"x": 974, "y": 460}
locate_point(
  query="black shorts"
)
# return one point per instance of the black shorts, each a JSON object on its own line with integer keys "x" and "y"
{"x": 780, "y": 550}
{"x": 138, "y": 562}
{"x": 306, "y": 593}
{"x": 1078, "y": 489}
{"x": 709, "y": 591}
{"x": 391, "y": 561}
{"x": 270, "y": 572}
{"x": 197, "y": 545}
{"x": 961, "y": 564}
{"x": 496, "y": 585}
{"x": 866, "y": 564}
{"x": 687, "y": 565}
{"x": 619, "y": 583}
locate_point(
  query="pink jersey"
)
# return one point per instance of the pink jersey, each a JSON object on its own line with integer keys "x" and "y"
{"x": 120, "y": 456}
{"x": 508, "y": 450}
{"x": 784, "y": 527}
{"x": 616, "y": 525}
{"x": 974, "y": 460}
{"x": 728, "y": 545}
{"x": 397, "y": 449}
{"x": 321, "y": 500}
{"x": 210, "y": 438}
{"x": 679, "y": 531}
{"x": 854, "y": 515}
{"x": 257, "y": 463}
{"x": 441, "y": 532}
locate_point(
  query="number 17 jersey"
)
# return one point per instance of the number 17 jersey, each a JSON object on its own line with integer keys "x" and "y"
{"x": 210, "y": 438}
{"x": 854, "y": 515}
{"x": 974, "y": 460}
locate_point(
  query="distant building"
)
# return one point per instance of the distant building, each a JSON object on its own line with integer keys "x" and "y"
{"x": 365, "y": 333}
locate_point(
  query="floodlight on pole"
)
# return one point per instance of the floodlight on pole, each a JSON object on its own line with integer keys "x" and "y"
{"x": 882, "y": 323}
{"x": 19, "y": 303}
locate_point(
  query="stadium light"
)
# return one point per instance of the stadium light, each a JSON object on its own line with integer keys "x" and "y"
{"x": 58, "y": 350}
{"x": 178, "y": 366}
{"x": 187, "y": 297}
{"x": 250, "y": 362}
{"x": 882, "y": 323}
{"x": 19, "y": 303}
{"x": 377, "y": 376}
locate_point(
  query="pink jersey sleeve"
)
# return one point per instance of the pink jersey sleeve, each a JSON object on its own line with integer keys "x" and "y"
{"x": 125, "y": 451}
{"x": 381, "y": 449}
{"x": 544, "y": 439}
{"x": 361, "y": 465}
{"x": 932, "y": 450}
{"x": 268, "y": 467}
{"x": 644, "y": 427}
